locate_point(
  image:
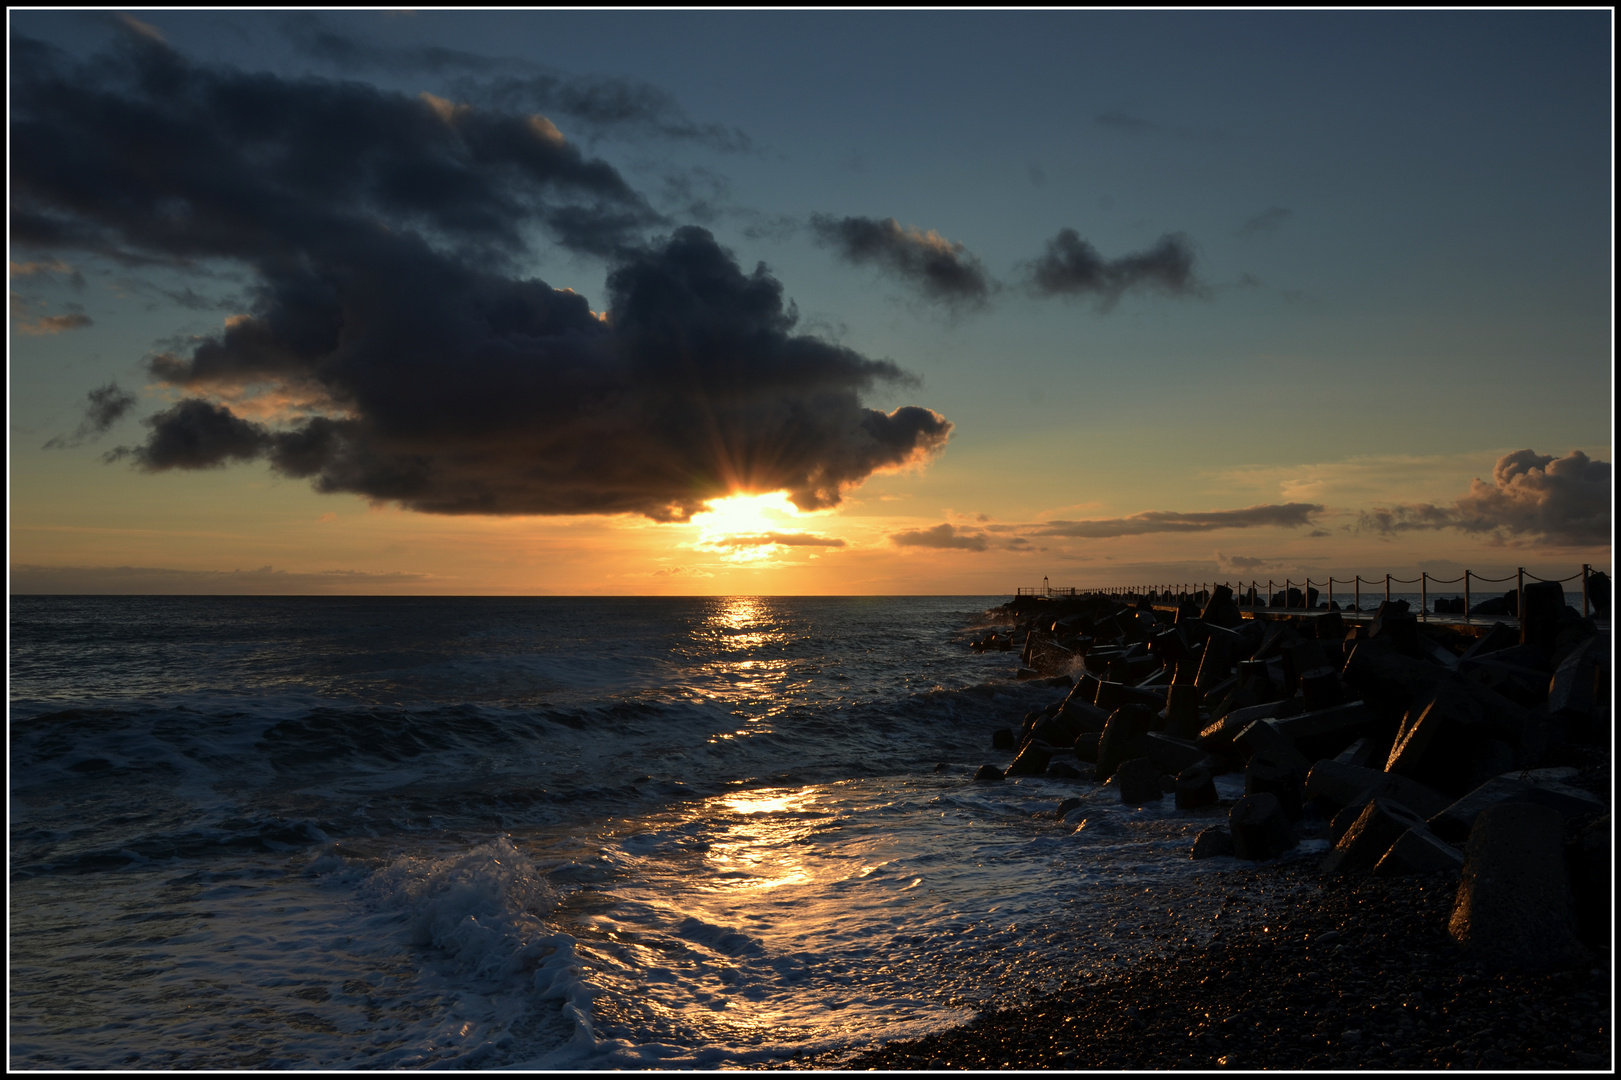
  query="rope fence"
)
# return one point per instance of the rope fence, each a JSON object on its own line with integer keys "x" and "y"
{"x": 1250, "y": 597}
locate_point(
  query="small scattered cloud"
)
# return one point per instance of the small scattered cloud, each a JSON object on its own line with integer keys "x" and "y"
{"x": 50, "y": 267}
{"x": 1267, "y": 221}
{"x": 46, "y": 325}
{"x": 1566, "y": 501}
{"x": 942, "y": 536}
{"x": 1245, "y": 563}
{"x": 106, "y": 406}
{"x": 1072, "y": 267}
{"x": 941, "y": 270}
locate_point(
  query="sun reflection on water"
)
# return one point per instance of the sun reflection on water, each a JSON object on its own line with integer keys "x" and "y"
{"x": 763, "y": 849}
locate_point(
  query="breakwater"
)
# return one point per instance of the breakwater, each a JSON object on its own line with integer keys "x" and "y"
{"x": 1305, "y": 595}
{"x": 1457, "y": 778}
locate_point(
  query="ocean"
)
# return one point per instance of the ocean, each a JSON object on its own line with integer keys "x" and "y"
{"x": 341, "y": 832}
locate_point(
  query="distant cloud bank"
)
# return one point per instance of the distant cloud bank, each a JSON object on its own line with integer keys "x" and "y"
{"x": 1286, "y": 515}
{"x": 1566, "y": 500}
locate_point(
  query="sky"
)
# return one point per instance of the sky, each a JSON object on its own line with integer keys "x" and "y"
{"x": 636, "y": 302}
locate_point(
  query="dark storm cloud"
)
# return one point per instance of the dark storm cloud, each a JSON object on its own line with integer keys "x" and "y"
{"x": 106, "y": 405}
{"x": 1268, "y": 220}
{"x": 1072, "y": 267}
{"x": 389, "y": 351}
{"x": 1286, "y": 515}
{"x": 943, "y": 536}
{"x": 144, "y": 155}
{"x": 453, "y": 391}
{"x": 941, "y": 269}
{"x": 1564, "y": 500}
{"x": 595, "y": 105}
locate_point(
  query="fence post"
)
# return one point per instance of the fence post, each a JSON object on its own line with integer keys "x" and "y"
{"x": 1387, "y": 588}
{"x": 1586, "y": 569}
{"x": 1519, "y": 600}
{"x": 1356, "y": 591}
{"x": 1424, "y": 594}
{"x": 1330, "y": 592}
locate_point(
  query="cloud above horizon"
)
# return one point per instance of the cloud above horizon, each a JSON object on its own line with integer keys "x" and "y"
{"x": 1567, "y": 501}
{"x": 393, "y": 349}
{"x": 940, "y": 270}
{"x": 1280, "y": 515}
{"x": 943, "y": 536}
{"x": 1072, "y": 267}
{"x": 106, "y": 405}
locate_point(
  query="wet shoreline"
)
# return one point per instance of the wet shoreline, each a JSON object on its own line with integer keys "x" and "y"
{"x": 1311, "y": 973}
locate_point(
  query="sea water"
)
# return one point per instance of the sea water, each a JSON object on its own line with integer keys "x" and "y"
{"x": 319, "y": 832}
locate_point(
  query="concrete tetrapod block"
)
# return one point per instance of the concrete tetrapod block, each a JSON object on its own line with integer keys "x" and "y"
{"x": 1137, "y": 781}
{"x": 1456, "y": 821}
{"x": 1500, "y": 636}
{"x": 1572, "y": 692}
{"x": 1514, "y": 910}
{"x": 1386, "y": 679}
{"x": 1212, "y": 842}
{"x": 1320, "y": 688}
{"x": 1361, "y": 847}
{"x": 1172, "y": 755}
{"x": 1341, "y": 822}
{"x": 1437, "y": 737}
{"x": 1327, "y": 731}
{"x": 1419, "y": 851}
{"x": 1124, "y": 737}
{"x": 1263, "y": 739}
{"x": 1260, "y": 828}
{"x": 1282, "y": 780}
{"x": 1182, "y": 710}
{"x": 1086, "y": 746}
{"x": 987, "y": 774}
{"x": 1337, "y": 784}
{"x": 1364, "y": 752}
{"x": 1220, "y": 654}
{"x": 1196, "y": 787}
{"x": 1032, "y": 760}
{"x": 1542, "y": 606}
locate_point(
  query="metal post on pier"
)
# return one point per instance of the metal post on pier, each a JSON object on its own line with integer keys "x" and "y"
{"x": 1519, "y": 600}
{"x": 1356, "y": 591}
{"x": 1387, "y": 588}
{"x": 1466, "y": 604}
{"x": 1424, "y": 595}
{"x": 1586, "y": 569}
{"x": 1330, "y": 600}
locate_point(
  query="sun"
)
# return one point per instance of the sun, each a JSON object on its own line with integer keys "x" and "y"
{"x": 737, "y": 526}
{"x": 745, "y": 514}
